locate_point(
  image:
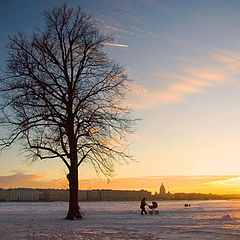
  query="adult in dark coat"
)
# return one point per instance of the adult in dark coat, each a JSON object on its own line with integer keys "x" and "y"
{"x": 142, "y": 206}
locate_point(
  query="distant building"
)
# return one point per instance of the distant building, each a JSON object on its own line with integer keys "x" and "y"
{"x": 5, "y": 195}
{"x": 28, "y": 194}
{"x": 24, "y": 195}
{"x": 113, "y": 195}
{"x": 162, "y": 190}
{"x": 83, "y": 195}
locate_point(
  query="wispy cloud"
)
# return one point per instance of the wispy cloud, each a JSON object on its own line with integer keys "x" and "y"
{"x": 232, "y": 181}
{"x": 21, "y": 170}
{"x": 182, "y": 59}
{"x": 188, "y": 81}
{"x": 184, "y": 88}
{"x": 229, "y": 60}
{"x": 142, "y": 98}
{"x": 20, "y": 179}
{"x": 117, "y": 29}
{"x": 192, "y": 79}
{"x": 212, "y": 75}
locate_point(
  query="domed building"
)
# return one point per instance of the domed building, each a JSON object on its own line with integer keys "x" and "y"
{"x": 162, "y": 190}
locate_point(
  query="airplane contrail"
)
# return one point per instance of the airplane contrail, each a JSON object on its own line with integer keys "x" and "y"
{"x": 116, "y": 45}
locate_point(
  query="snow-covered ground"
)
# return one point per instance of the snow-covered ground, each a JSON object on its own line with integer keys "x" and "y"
{"x": 121, "y": 220}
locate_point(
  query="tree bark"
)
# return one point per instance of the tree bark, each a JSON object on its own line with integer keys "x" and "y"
{"x": 74, "y": 210}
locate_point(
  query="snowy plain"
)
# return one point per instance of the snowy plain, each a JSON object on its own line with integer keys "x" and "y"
{"x": 121, "y": 220}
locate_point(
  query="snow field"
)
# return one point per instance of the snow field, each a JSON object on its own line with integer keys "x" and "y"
{"x": 120, "y": 220}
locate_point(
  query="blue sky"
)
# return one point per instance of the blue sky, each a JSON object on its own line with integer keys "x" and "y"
{"x": 184, "y": 59}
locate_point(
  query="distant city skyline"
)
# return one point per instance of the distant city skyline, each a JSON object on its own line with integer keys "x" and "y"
{"x": 184, "y": 60}
{"x": 174, "y": 184}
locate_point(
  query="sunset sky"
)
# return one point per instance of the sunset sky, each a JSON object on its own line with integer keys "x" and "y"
{"x": 184, "y": 60}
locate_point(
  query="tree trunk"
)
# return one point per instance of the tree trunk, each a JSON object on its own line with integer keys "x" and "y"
{"x": 74, "y": 210}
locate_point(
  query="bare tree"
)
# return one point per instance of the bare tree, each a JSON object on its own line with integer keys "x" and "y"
{"x": 62, "y": 97}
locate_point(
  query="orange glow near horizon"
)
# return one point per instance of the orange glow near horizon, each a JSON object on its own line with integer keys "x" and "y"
{"x": 173, "y": 184}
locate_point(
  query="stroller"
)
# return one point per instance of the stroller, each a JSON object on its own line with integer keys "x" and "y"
{"x": 153, "y": 208}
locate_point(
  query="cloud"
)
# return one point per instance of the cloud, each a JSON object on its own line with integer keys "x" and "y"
{"x": 228, "y": 181}
{"x": 184, "y": 88}
{"x": 208, "y": 75}
{"x": 187, "y": 80}
{"x": 182, "y": 59}
{"x": 22, "y": 169}
{"x": 178, "y": 85}
{"x": 19, "y": 179}
{"x": 230, "y": 60}
{"x": 116, "y": 29}
{"x": 142, "y": 98}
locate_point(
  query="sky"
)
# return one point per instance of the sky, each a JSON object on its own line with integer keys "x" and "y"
{"x": 184, "y": 61}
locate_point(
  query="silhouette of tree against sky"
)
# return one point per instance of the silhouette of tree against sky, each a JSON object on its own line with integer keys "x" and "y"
{"x": 62, "y": 97}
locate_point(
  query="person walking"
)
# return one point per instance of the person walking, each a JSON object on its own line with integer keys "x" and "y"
{"x": 142, "y": 206}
